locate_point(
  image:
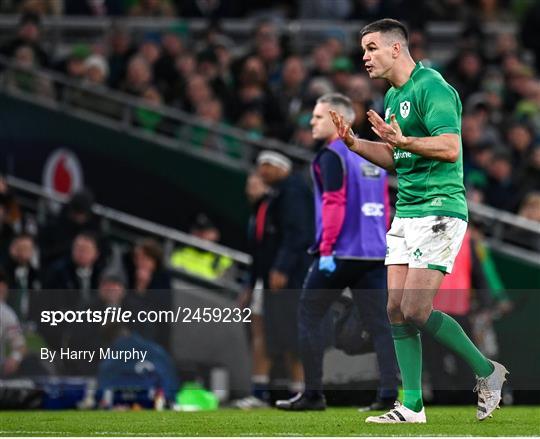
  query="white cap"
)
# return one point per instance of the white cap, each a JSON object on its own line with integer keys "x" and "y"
{"x": 274, "y": 158}
{"x": 99, "y": 62}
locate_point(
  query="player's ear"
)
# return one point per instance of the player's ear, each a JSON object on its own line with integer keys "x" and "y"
{"x": 396, "y": 49}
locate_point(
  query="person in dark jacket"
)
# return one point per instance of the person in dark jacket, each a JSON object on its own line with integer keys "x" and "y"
{"x": 70, "y": 282}
{"x": 283, "y": 230}
{"x": 28, "y": 34}
{"x": 23, "y": 277}
{"x": 149, "y": 286}
{"x": 74, "y": 279}
{"x": 76, "y": 216}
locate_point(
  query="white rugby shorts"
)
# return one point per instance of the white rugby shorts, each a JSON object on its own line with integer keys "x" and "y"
{"x": 428, "y": 242}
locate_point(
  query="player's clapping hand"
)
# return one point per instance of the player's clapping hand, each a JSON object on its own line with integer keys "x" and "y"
{"x": 344, "y": 130}
{"x": 389, "y": 133}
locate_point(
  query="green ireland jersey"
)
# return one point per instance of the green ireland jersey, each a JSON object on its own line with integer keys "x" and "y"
{"x": 426, "y": 105}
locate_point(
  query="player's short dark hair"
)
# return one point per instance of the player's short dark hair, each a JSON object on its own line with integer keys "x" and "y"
{"x": 384, "y": 26}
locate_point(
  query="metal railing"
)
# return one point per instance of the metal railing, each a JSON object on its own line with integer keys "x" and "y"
{"x": 170, "y": 237}
{"x": 123, "y": 119}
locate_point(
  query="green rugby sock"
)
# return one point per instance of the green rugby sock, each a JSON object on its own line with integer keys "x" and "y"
{"x": 409, "y": 355}
{"x": 449, "y": 333}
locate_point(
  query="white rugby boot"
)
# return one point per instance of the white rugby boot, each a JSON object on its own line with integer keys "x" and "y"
{"x": 399, "y": 415}
{"x": 489, "y": 391}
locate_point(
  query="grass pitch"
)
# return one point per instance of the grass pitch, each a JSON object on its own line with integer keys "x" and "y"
{"x": 442, "y": 421}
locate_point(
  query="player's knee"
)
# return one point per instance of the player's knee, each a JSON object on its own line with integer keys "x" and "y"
{"x": 394, "y": 312}
{"x": 415, "y": 315}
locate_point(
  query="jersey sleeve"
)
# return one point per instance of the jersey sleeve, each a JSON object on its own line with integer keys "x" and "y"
{"x": 441, "y": 107}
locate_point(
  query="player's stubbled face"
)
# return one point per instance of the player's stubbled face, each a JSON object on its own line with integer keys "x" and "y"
{"x": 377, "y": 55}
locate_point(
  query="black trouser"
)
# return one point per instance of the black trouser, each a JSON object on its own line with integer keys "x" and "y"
{"x": 367, "y": 280}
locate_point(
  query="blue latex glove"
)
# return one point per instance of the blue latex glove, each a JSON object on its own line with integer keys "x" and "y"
{"x": 327, "y": 265}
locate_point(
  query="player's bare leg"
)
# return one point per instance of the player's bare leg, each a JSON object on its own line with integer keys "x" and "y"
{"x": 408, "y": 351}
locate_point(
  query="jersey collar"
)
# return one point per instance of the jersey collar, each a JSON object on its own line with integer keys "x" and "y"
{"x": 417, "y": 67}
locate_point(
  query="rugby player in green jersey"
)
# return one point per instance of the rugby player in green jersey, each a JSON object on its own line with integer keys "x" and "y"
{"x": 421, "y": 140}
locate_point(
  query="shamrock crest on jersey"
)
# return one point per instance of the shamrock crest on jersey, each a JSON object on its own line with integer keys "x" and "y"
{"x": 404, "y": 108}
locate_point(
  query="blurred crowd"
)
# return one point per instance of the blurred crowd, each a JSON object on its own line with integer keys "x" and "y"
{"x": 64, "y": 259}
{"x": 69, "y": 263}
{"x": 268, "y": 89}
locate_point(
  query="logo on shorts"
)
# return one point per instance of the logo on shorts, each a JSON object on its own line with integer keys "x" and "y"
{"x": 437, "y": 202}
{"x": 417, "y": 253}
{"x": 404, "y": 108}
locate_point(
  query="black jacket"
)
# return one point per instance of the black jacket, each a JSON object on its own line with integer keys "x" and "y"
{"x": 287, "y": 234}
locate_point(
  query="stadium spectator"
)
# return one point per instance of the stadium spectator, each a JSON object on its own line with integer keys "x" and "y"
{"x": 185, "y": 67}
{"x": 138, "y": 76}
{"x": 321, "y": 60}
{"x": 197, "y": 92}
{"x": 342, "y": 69}
{"x": 23, "y": 78}
{"x": 121, "y": 51}
{"x": 111, "y": 293}
{"x": 28, "y": 34}
{"x": 172, "y": 48}
{"x": 501, "y": 191}
{"x": 465, "y": 73}
{"x": 291, "y": 93}
{"x": 150, "y": 120}
{"x": 23, "y": 276}
{"x": 520, "y": 140}
{"x": 56, "y": 237}
{"x": 253, "y": 90}
{"x": 93, "y": 95}
{"x": 211, "y": 112}
{"x": 6, "y": 230}
{"x": 149, "y": 285}
{"x": 12, "y": 343}
{"x": 209, "y": 68}
{"x": 74, "y": 279}
{"x": 73, "y": 66}
{"x": 529, "y": 209}
{"x": 150, "y": 49}
{"x": 96, "y": 70}
{"x": 252, "y": 122}
{"x": 200, "y": 262}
